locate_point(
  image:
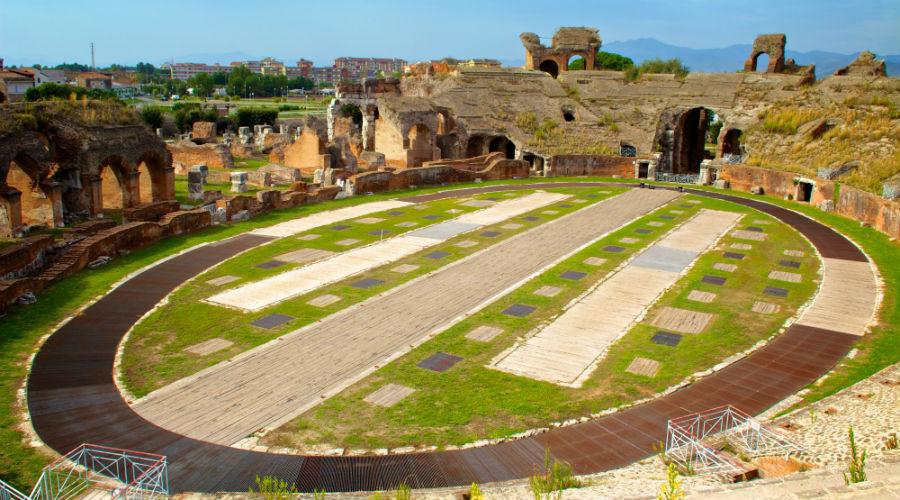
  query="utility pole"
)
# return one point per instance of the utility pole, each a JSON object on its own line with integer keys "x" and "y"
{"x": 93, "y": 59}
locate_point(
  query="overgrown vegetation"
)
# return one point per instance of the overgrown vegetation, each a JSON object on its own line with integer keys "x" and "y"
{"x": 550, "y": 137}
{"x": 861, "y": 131}
{"x": 248, "y": 117}
{"x": 272, "y": 488}
{"x": 672, "y": 66}
{"x": 152, "y": 116}
{"x": 671, "y": 489}
{"x": 605, "y": 60}
{"x": 84, "y": 111}
{"x": 856, "y": 470}
{"x": 549, "y": 483}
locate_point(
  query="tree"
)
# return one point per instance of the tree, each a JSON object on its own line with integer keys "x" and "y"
{"x": 202, "y": 83}
{"x": 152, "y": 116}
{"x": 54, "y": 91}
{"x": 612, "y": 61}
{"x": 220, "y": 78}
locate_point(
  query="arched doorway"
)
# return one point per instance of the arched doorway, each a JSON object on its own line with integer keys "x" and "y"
{"x": 761, "y": 62}
{"x": 627, "y": 150}
{"x": 550, "y": 67}
{"x": 151, "y": 178}
{"x": 684, "y": 145}
{"x": 113, "y": 185}
{"x": 577, "y": 63}
{"x": 476, "y": 146}
{"x": 449, "y": 146}
{"x": 504, "y": 145}
{"x": 421, "y": 144}
{"x": 36, "y": 201}
{"x": 731, "y": 142}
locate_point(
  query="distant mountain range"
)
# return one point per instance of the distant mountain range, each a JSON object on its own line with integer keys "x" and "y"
{"x": 726, "y": 59}
{"x": 732, "y": 58}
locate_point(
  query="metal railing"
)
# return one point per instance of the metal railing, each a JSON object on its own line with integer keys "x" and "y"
{"x": 124, "y": 474}
{"x": 687, "y": 439}
{"x": 677, "y": 178}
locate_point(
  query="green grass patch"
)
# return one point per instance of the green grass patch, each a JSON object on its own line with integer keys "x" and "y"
{"x": 471, "y": 402}
{"x": 154, "y": 353}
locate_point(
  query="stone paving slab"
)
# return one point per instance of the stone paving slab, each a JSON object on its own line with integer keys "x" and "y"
{"x": 701, "y": 296}
{"x": 222, "y": 280}
{"x": 266, "y": 292}
{"x": 465, "y": 244}
{"x": 477, "y": 203}
{"x": 348, "y": 242}
{"x": 743, "y": 234}
{"x": 324, "y": 300}
{"x": 786, "y": 276}
{"x": 405, "y": 268}
{"x": 453, "y": 211}
{"x": 666, "y": 338}
{"x": 595, "y": 261}
{"x": 227, "y": 402}
{"x": 548, "y": 291}
{"x": 272, "y": 320}
{"x": 656, "y": 223}
{"x": 208, "y": 347}
{"x": 270, "y": 264}
{"x": 512, "y": 225}
{"x": 741, "y": 246}
{"x": 309, "y": 237}
{"x": 682, "y": 320}
{"x": 320, "y": 219}
{"x": 793, "y": 253}
{"x": 643, "y": 366}
{"x": 728, "y": 268}
{"x": 628, "y": 240}
{"x": 369, "y": 220}
{"x": 484, "y": 333}
{"x": 439, "y": 362}
{"x": 304, "y": 255}
{"x": 566, "y": 351}
{"x": 389, "y": 395}
{"x": 713, "y": 280}
{"x": 765, "y": 307}
{"x": 408, "y": 223}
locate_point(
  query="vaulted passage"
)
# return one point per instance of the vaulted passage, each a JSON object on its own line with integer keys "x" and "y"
{"x": 503, "y": 145}
{"x": 689, "y": 141}
{"x": 36, "y": 204}
{"x": 550, "y": 67}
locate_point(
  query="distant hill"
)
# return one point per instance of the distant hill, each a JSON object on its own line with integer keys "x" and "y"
{"x": 732, "y": 58}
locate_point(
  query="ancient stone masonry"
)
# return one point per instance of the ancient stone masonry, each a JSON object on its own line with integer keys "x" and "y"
{"x": 864, "y": 65}
{"x": 771, "y": 45}
{"x": 566, "y": 44}
{"x": 62, "y": 172}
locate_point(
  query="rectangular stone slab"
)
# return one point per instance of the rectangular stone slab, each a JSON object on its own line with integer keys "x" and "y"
{"x": 548, "y": 291}
{"x": 324, "y": 300}
{"x": 369, "y": 220}
{"x": 765, "y": 307}
{"x": 444, "y": 230}
{"x": 347, "y": 242}
{"x": 742, "y": 234}
{"x": 642, "y": 230}
{"x": 321, "y": 219}
{"x": 643, "y": 366}
{"x": 741, "y": 246}
{"x": 439, "y": 362}
{"x": 701, "y": 296}
{"x": 721, "y": 266}
{"x": 664, "y": 258}
{"x": 793, "y": 253}
{"x": 518, "y": 310}
{"x": 484, "y": 333}
{"x": 271, "y": 264}
{"x": 613, "y": 249}
{"x": 304, "y": 255}
{"x": 340, "y": 227}
{"x": 713, "y": 280}
{"x": 666, "y": 338}
{"x": 389, "y": 395}
{"x": 208, "y": 347}
{"x": 733, "y": 255}
{"x": 775, "y": 291}
{"x": 272, "y": 320}
{"x": 437, "y": 254}
{"x": 572, "y": 275}
{"x": 682, "y": 320}
{"x": 594, "y": 261}
{"x": 367, "y": 283}
{"x": 465, "y": 244}
{"x": 381, "y": 233}
{"x": 789, "y": 263}
{"x": 786, "y": 276}
{"x": 309, "y": 237}
{"x": 405, "y": 268}
{"x": 222, "y": 280}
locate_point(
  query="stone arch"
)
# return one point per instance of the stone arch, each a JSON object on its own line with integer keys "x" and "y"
{"x": 681, "y": 137}
{"x": 445, "y": 123}
{"x": 550, "y": 67}
{"x": 568, "y": 113}
{"x": 476, "y": 146}
{"x": 576, "y": 62}
{"x": 152, "y": 178}
{"x": 773, "y": 47}
{"x": 114, "y": 193}
{"x": 420, "y": 145}
{"x": 730, "y": 142}
{"x": 37, "y": 202}
{"x": 502, "y": 144}
{"x": 627, "y": 150}
{"x": 449, "y": 146}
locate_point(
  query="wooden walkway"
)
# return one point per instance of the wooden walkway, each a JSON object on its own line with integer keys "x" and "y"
{"x": 567, "y": 350}
{"x": 72, "y": 397}
{"x": 227, "y": 402}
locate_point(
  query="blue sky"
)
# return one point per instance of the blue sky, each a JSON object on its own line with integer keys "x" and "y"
{"x": 51, "y": 31}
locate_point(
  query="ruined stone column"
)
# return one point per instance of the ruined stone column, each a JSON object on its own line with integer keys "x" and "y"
{"x": 195, "y": 185}
{"x": 93, "y": 183}
{"x": 167, "y": 191}
{"x": 10, "y": 211}
{"x": 368, "y": 132}
{"x": 203, "y": 170}
{"x": 53, "y": 190}
{"x": 330, "y": 115}
{"x": 238, "y": 182}
{"x": 132, "y": 190}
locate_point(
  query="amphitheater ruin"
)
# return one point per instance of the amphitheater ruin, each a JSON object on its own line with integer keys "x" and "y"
{"x": 598, "y": 277}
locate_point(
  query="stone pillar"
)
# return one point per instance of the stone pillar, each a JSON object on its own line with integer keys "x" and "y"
{"x": 167, "y": 191}
{"x": 132, "y": 190}
{"x": 93, "y": 185}
{"x": 238, "y": 182}
{"x": 705, "y": 179}
{"x": 159, "y": 132}
{"x": 244, "y": 136}
{"x": 368, "y": 132}
{"x": 203, "y": 170}
{"x": 283, "y": 129}
{"x": 10, "y": 211}
{"x": 53, "y": 190}
{"x": 330, "y": 114}
{"x": 653, "y": 165}
{"x": 195, "y": 185}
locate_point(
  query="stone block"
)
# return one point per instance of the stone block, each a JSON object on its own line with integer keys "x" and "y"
{"x": 195, "y": 185}
{"x": 241, "y": 216}
{"x": 239, "y": 182}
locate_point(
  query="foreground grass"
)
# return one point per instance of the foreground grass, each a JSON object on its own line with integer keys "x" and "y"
{"x": 471, "y": 402}
{"x": 154, "y": 353}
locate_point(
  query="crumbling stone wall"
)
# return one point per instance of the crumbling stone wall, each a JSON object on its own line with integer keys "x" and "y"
{"x": 434, "y": 174}
{"x": 211, "y": 155}
{"x": 307, "y": 153}
{"x": 599, "y": 165}
{"x": 204, "y": 133}
{"x": 771, "y": 45}
{"x": 881, "y": 214}
{"x": 864, "y": 65}
{"x": 566, "y": 43}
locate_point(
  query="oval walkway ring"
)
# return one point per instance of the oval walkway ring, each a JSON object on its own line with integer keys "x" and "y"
{"x": 72, "y": 397}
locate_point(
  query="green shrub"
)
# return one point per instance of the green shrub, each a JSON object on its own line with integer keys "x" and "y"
{"x": 612, "y": 61}
{"x": 856, "y": 471}
{"x": 272, "y": 488}
{"x": 55, "y": 91}
{"x": 527, "y": 121}
{"x": 248, "y": 117}
{"x": 152, "y": 116}
{"x": 672, "y": 66}
{"x": 556, "y": 477}
{"x": 352, "y": 111}
{"x": 671, "y": 489}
